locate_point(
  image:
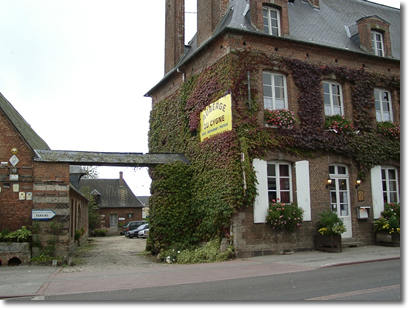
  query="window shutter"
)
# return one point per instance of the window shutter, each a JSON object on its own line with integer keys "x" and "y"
{"x": 377, "y": 191}
{"x": 260, "y": 208}
{"x": 303, "y": 188}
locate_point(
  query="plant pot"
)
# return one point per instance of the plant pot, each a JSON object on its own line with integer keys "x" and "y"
{"x": 328, "y": 243}
{"x": 386, "y": 239}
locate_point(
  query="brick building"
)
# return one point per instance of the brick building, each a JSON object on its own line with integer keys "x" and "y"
{"x": 320, "y": 59}
{"x": 29, "y": 185}
{"x": 117, "y": 204}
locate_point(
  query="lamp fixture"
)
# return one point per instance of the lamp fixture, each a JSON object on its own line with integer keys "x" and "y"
{"x": 328, "y": 182}
{"x": 358, "y": 183}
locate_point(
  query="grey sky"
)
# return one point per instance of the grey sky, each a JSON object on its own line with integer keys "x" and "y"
{"x": 77, "y": 71}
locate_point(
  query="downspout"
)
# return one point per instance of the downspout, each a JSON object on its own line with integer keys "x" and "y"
{"x": 249, "y": 89}
{"x": 183, "y": 74}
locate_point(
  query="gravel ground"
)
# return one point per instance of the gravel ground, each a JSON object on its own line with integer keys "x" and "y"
{"x": 111, "y": 252}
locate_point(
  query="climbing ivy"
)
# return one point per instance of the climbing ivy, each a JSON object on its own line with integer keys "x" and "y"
{"x": 220, "y": 177}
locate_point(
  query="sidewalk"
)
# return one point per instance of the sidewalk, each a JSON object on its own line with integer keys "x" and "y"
{"x": 44, "y": 281}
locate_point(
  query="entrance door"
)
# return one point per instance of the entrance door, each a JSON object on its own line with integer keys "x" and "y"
{"x": 340, "y": 196}
{"x": 113, "y": 222}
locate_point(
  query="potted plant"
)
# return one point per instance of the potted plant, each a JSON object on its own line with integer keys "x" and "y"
{"x": 284, "y": 217}
{"x": 387, "y": 227}
{"x": 284, "y": 119}
{"x": 338, "y": 124}
{"x": 388, "y": 129}
{"x": 329, "y": 230}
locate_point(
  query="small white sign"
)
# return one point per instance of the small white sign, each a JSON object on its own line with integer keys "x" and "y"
{"x": 13, "y": 177}
{"x": 29, "y": 196}
{"x": 16, "y": 188}
{"x": 14, "y": 160}
{"x": 42, "y": 215}
{"x": 22, "y": 196}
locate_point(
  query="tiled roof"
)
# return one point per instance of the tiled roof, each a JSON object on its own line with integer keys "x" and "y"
{"x": 33, "y": 140}
{"x": 114, "y": 193}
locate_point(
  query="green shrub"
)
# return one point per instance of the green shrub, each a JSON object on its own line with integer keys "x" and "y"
{"x": 330, "y": 224}
{"x": 207, "y": 253}
{"x": 20, "y": 235}
{"x": 284, "y": 217}
{"x": 99, "y": 232}
{"x": 390, "y": 219}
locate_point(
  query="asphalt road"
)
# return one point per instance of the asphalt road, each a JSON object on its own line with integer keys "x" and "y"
{"x": 370, "y": 282}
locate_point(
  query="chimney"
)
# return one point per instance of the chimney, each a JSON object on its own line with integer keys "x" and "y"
{"x": 210, "y": 12}
{"x": 121, "y": 176}
{"x": 174, "y": 32}
{"x": 315, "y": 3}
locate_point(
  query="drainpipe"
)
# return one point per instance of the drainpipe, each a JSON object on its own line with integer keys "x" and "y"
{"x": 183, "y": 74}
{"x": 249, "y": 89}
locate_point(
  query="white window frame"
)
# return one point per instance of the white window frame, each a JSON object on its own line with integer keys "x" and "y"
{"x": 331, "y": 94}
{"x": 386, "y": 184}
{"x": 273, "y": 88}
{"x": 378, "y": 97}
{"x": 270, "y": 11}
{"x": 277, "y": 178}
{"x": 377, "y": 37}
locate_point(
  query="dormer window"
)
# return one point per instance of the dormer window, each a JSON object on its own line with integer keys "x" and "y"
{"x": 377, "y": 43}
{"x": 271, "y": 21}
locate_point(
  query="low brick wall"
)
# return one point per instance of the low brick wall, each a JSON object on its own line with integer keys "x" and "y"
{"x": 14, "y": 250}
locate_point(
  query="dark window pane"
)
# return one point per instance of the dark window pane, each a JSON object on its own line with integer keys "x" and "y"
{"x": 284, "y": 170}
{"x": 271, "y": 184}
{"x": 271, "y": 170}
{"x": 272, "y": 196}
{"x": 285, "y": 197}
{"x": 331, "y": 169}
{"x": 284, "y": 184}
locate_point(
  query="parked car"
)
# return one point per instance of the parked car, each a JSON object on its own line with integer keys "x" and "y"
{"x": 131, "y": 226}
{"x": 134, "y": 233}
{"x": 143, "y": 233}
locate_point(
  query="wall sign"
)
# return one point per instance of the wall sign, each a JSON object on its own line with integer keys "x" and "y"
{"x": 42, "y": 215}
{"x": 216, "y": 118}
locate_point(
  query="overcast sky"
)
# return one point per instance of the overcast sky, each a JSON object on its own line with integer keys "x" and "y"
{"x": 77, "y": 71}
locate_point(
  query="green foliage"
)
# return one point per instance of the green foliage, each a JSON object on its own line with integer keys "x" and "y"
{"x": 20, "y": 235}
{"x": 284, "y": 217}
{"x": 100, "y": 232}
{"x": 195, "y": 203}
{"x": 206, "y": 253}
{"x": 388, "y": 129}
{"x": 93, "y": 215}
{"x": 389, "y": 220}
{"x": 280, "y": 118}
{"x": 338, "y": 124}
{"x": 330, "y": 224}
{"x": 44, "y": 259}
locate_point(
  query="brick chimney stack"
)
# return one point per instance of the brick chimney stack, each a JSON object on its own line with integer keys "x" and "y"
{"x": 210, "y": 12}
{"x": 121, "y": 176}
{"x": 174, "y": 32}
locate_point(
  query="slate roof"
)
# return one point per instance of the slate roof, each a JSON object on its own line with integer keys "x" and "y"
{"x": 114, "y": 193}
{"x": 325, "y": 26}
{"x": 144, "y": 200}
{"x": 33, "y": 140}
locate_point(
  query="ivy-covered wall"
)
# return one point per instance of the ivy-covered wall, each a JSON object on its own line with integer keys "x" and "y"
{"x": 217, "y": 181}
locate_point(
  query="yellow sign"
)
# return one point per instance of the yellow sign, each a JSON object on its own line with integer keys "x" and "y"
{"x": 216, "y": 118}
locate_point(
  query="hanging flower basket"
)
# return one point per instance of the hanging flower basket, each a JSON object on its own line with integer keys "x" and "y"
{"x": 390, "y": 130}
{"x": 339, "y": 125}
{"x": 284, "y": 119}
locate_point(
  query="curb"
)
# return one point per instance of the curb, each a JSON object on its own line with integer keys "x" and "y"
{"x": 361, "y": 262}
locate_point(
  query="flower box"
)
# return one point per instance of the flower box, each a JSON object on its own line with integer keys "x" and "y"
{"x": 386, "y": 239}
{"x": 328, "y": 243}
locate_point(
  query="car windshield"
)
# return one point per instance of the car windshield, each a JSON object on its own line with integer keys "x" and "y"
{"x": 143, "y": 226}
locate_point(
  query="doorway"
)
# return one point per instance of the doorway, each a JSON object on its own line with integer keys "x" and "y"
{"x": 340, "y": 196}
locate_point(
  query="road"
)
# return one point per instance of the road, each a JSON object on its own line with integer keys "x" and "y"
{"x": 375, "y": 281}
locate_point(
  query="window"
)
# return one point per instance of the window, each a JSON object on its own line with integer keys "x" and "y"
{"x": 279, "y": 182}
{"x": 129, "y": 215}
{"x": 382, "y": 99}
{"x": 390, "y": 185}
{"x": 274, "y": 91}
{"x": 377, "y": 43}
{"x": 339, "y": 190}
{"x": 333, "y": 98}
{"x": 271, "y": 21}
